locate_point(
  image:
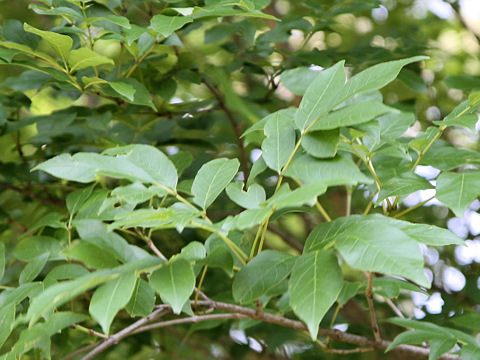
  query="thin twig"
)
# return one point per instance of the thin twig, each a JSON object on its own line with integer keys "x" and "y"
{"x": 394, "y": 307}
{"x": 420, "y": 204}
{"x": 32, "y": 195}
{"x": 373, "y": 319}
{"x": 235, "y": 127}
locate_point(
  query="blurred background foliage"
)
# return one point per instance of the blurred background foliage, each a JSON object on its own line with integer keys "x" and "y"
{"x": 236, "y": 63}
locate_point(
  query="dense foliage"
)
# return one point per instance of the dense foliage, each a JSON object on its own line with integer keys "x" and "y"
{"x": 232, "y": 179}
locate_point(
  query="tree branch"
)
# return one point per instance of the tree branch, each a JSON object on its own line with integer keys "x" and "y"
{"x": 235, "y": 127}
{"x": 32, "y": 195}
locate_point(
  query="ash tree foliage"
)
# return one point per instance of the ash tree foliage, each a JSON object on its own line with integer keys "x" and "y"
{"x": 171, "y": 175}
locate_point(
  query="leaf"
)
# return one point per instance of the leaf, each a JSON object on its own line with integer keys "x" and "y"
{"x": 32, "y": 269}
{"x": 321, "y": 96}
{"x": 2, "y": 260}
{"x": 402, "y": 185}
{"x": 394, "y": 124}
{"x": 287, "y": 114}
{"x": 462, "y": 82}
{"x": 321, "y": 144}
{"x": 142, "y": 300}
{"x": 440, "y": 346}
{"x": 305, "y": 194}
{"x": 58, "y": 294}
{"x": 250, "y": 199}
{"x": 7, "y": 322}
{"x": 166, "y": 25}
{"x": 314, "y": 285}
{"x": 413, "y": 81}
{"x": 137, "y": 162}
{"x": 174, "y": 283}
{"x": 123, "y": 88}
{"x": 377, "y": 76}
{"x": 194, "y": 251}
{"x": 261, "y": 274}
{"x": 413, "y": 337}
{"x": 357, "y": 113}
{"x": 458, "y": 190}
{"x": 371, "y": 244}
{"x": 60, "y": 43}
{"x": 91, "y": 255}
{"x": 298, "y": 80}
{"x": 83, "y": 58}
{"x": 16, "y": 295}
{"x": 468, "y": 121}
{"x": 249, "y": 218}
{"x": 280, "y": 141}
{"x": 258, "y": 167}
{"x": 77, "y": 198}
{"x": 337, "y": 171}
{"x": 470, "y": 352}
{"x": 211, "y": 179}
{"x": 109, "y": 298}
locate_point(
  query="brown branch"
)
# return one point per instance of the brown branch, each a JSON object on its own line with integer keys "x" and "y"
{"x": 239, "y": 312}
{"x": 235, "y": 127}
{"x": 81, "y": 351}
{"x": 32, "y": 195}
{"x": 287, "y": 238}
{"x": 373, "y": 319}
{"x": 114, "y": 339}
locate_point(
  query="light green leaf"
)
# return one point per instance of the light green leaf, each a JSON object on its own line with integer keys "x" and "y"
{"x": 174, "y": 283}
{"x": 56, "y": 295}
{"x": 77, "y": 198}
{"x": 288, "y": 114}
{"x": 91, "y": 255}
{"x": 109, "y": 298}
{"x": 7, "y": 322}
{"x": 413, "y": 81}
{"x": 137, "y": 193}
{"x": 84, "y": 57}
{"x": 137, "y": 162}
{"x": 142, "y": 300}
{"x": 194, "y": 251}
{"x": 60, "y": 43}
{"x": 32, "y": 269}
{"x": 211, "y": 179}
{"x": 321, "y": 144}
{"x": 413, "y": 337}
{"x": 2, "y": 260}
{"x": 124, "y": 89}
{"x": 372, "y": 244}
{"x": 16, "y": 295}
{"x": 298, "y": 80}
{"x": 258, "y": 167}
{"x": 337, "y": 171}
{"x": 354, "y": 114}
{"x": 261, "y": 274}
{"x": 321, "y": 96}
{"x": 166, "y": 25}
{"x": 458, "y": 190}
{"x": 306, "y": 194}
{"x": 249, "y": 218}
{"x": 377, "y": 76}
{"x": 470, "y": 352}
{"x": 280, "y": 141}
{"x": 314, "y": 286}
{"x": 394, "y": 124}
{"x": 250, "y": 199}
{"x": 402, "y": 185}
{"x": 439, "y": 346}
{"x": 467, "y": 120}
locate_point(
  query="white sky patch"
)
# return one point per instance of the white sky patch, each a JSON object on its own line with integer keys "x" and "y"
{"x": 468, "y": 253}
{"x": 441, "y": 9}
{"x": 427, "y": 171}
{"x": 458, "y": 227}
{"x": 255, "y": 155}
{"x": 472, "y": 219}
{"x": 434, "y": 303}
{"x": 380, "y": 14}
{"x": 419, "y": 196}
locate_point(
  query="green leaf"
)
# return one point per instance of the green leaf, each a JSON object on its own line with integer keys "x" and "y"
{"x": 402, "y": 185}
{"x": 287, "y": 114}
{"x": 91, "y": 255}
{"x": 2, "y": 260}
{"x": 322, "y": 144}
{"x": 16, "y": 295}
{"x": 124, "y": 89}
{"x": 337, "y": 171}
{"x": 354, "y": 114}
{"x": 377, "y": 76}
{"x": 60, "y": 43}
{"x": 137, "y": 193}
{"x": 166, "y": 25}
{"x": 413, "y": 81}
{"x": 56, "y": 295}
{"x": 314, "y": 286}
{"x": 174, "y": 283}
{"x": 440, "y": 346}
{"x": 250, "y": 199}
{"x": 298, "y": 80}
{"x": 280, "y": 141}
{"x": 371, "y": 244}
{"x": 211, "y": 179}
{"x": 249, "y": 218}
{"x": 258, "y": 167}
{"x": 394, "y": 124}
{"x": 32, "y": 269}
{"x": 413, "y": 337}
{"x": 7, "y": 322}
{"x": 109, "y": 298}
{"x": 84, "y": 57}
{"x": 321, "y": 96}
{"x": 194, "y": 251}
{"x": 462, "y": 82}
{"x": 142, "y": 300}
{"x": 77, "y": 198}
{"x": 458, "y": 190}
{"x": 470, "y": 352}
{"x": 261, "y": 274}
{"x": 305, "y": 194}
{"x": 468, "y": 121}
{"x": 137, "y": 162}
